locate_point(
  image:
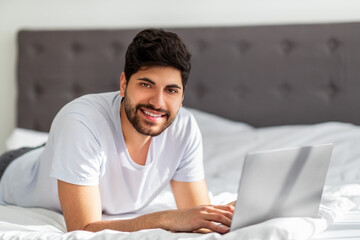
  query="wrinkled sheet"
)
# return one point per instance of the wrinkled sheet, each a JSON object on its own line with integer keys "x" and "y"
{"x": 225, "y": 146}
{"x": 36, "y": 223}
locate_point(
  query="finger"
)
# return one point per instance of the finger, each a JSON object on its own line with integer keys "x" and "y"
{"x": 219, "y": 218}
{"x": 215, "y": 227}
{"x": 219, "y": 211}
{"x": 229, "y": 208}
{"x": 203, "y": 230}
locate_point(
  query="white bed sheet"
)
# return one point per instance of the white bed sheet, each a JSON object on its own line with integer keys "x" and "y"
{"x": 225, "y": 145}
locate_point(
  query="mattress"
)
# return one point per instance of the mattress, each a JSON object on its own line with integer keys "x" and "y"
{"x": 226, "y": 143}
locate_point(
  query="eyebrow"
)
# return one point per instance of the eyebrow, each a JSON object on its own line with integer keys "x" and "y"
{"x": 152, "y": 82}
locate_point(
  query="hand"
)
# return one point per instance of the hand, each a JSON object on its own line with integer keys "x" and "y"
{"x": 199, "y": 219}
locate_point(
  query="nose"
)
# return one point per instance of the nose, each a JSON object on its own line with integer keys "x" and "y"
{"x": 157, "y": 100}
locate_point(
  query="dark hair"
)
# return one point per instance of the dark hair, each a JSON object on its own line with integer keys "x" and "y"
{"x": 156, "y": 47}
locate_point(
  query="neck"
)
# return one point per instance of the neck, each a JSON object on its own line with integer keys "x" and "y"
{"x": 137, "y": 144}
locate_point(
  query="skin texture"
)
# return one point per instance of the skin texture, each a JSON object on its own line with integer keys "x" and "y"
{"x": 153, "y": 97}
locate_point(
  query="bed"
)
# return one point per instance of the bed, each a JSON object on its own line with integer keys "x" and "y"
{"x": 251, "y": 88}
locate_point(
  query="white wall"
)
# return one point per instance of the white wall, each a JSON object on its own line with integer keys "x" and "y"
{"x": 66, "y": 14}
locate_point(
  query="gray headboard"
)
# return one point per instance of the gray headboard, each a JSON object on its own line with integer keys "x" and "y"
{"x": 262, "y": 75}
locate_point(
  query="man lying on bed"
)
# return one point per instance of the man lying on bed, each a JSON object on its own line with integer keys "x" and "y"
{"x": 114, "y": 152}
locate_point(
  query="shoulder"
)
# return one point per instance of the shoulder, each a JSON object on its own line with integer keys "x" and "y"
{"x": 92, "y": 101}
{"x": 93, "y": 106}
{"x": 89, "y": 111}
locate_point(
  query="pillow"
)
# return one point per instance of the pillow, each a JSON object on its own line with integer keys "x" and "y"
{"x": 21, "y": 137}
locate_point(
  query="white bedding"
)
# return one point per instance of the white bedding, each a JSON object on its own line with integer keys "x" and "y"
{"x": 225, "y": 145}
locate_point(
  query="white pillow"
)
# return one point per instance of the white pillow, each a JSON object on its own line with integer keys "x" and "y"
{"x": 21, "y": 137}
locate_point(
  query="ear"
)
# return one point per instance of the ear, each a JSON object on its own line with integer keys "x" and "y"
{"x": 122, "y": 84}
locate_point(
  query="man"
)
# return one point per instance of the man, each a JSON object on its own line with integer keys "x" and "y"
{"x": 114, "y": 152}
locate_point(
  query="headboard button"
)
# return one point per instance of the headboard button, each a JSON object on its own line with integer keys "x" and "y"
{"x": 77, "y": 47}
{"x": 77, "y": 90}
{"x": 285, "y": 89}
{"x": 333, "y": 90}
{"x": 333, "y": 44}
{"x": 287, "y": 46}
{"x": 38, "y": 89}
{"x": 36, "y": 49}
{"x": 243, "y": 46}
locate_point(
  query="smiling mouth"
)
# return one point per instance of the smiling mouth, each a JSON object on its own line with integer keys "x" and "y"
{"x": 152, "y": 114}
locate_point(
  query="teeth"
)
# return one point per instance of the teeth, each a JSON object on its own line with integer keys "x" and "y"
{"x": 151, "y": 114}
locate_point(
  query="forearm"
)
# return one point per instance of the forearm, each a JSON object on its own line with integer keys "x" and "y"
{"x": 184, "y": 220}
{"x": 81, "y": 207}
{"x": 148, "y": 221}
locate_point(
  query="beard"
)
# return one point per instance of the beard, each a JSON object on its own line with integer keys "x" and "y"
{"x": 143, "y": 126}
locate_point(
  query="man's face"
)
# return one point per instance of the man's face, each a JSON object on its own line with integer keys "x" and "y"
{"x": 152, "y": 98}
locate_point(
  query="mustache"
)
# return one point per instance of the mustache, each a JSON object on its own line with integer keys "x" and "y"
{"x": 151, "y": 107}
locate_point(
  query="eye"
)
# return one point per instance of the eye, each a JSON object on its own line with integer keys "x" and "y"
{"x": 144, "y": 84}
{"x": 172, "y": 90}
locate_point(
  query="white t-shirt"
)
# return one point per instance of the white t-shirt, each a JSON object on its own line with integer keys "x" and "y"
{"x": 86, "y": 147}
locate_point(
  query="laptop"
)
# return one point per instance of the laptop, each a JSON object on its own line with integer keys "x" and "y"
{"x": 281, "y": 183}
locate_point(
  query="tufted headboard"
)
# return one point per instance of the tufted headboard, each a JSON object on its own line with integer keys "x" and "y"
{"x": 262, "y": 75}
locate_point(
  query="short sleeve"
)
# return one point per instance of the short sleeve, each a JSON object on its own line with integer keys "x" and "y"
{"x": 191, "y": 167}
{"x": 75, "y": 151}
